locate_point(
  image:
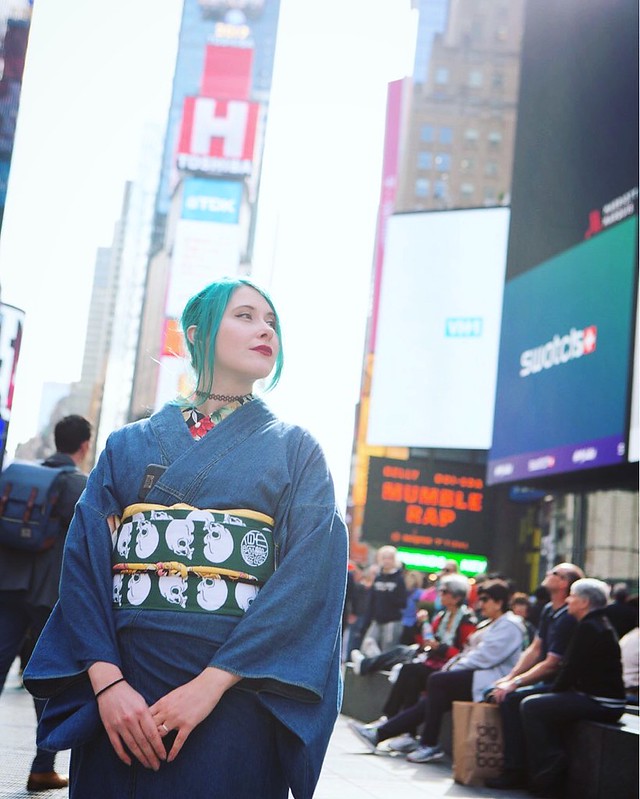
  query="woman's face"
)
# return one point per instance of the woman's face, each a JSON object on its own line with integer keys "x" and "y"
{"x": 578, "y": 606}
{"x": 491, "y": 608}
{"x": 247, "y": 344}
{"x": 449, "y": 601}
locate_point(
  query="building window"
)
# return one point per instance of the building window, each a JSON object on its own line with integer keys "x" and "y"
{"x": 443, "y": 162}
{"x": 439, "y": 190}
{"x": 475, "y": 78}
{"x": 497, "y": 80}
{"x": 467, "y": 165}
{"x": 422, "y": 187}
{"x": 426, "y": 133}
{"x": 491, "y": 169}
{"x": 489, "y": 195}
{"x": 466, "y": 189}
{"x": 495, "y": 138}
{"x": 425, "y": 159}
{"x": 442, "y": 76}
{"x": 471, "y": 136}
{"x": 446, "y": 135}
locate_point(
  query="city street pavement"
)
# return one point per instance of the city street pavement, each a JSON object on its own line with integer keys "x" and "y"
{"x": 350, "y": 770}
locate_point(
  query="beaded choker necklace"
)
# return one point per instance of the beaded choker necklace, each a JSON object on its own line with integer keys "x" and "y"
{"x": 230, "y": 397}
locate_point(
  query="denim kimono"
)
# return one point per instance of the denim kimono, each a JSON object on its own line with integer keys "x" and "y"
{"x": 270, "y": 731}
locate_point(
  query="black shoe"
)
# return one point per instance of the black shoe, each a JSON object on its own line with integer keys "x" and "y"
{"x": 513, "y": 778}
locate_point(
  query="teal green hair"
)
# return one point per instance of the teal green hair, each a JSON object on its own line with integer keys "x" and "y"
{"x": 205, "y": 310}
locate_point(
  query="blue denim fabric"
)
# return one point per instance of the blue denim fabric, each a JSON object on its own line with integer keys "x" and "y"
{"x": 287, "y": 645}
{"x": 232, "y": 754}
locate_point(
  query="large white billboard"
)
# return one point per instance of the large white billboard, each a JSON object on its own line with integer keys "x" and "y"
{"x": 436, "y": 353}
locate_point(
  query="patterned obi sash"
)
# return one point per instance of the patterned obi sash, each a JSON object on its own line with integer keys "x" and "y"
{"x": 184, "y": 558}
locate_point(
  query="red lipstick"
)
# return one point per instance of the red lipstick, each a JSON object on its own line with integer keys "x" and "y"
{"x": 263, "y": 349}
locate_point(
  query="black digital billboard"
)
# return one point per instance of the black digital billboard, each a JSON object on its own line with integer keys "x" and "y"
{"x": 568, "y": 319}
{"x": 435, "y": 506}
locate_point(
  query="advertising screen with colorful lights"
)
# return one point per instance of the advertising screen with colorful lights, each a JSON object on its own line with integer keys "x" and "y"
{"x": 431, "y": 506}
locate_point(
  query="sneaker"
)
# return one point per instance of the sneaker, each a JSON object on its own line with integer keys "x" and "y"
{"x": 368, "y": 735}
{"x": 404, "y": 743}
{"x": 425, "y": 754}
{"x": 356, "y": 660}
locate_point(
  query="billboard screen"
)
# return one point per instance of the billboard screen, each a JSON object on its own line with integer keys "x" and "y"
{"x": 11, "y": 325}
{"x": 204, "y": 23}
{"x": 217, "y": 137}
{"x": 561, "y": 403}
{"x": 15, "y": 23}
{"x": 438, "y": 329}
{"x": 208, "y": 238}
{"x": 562, "y": 394}
{"x": 426, "y": 505}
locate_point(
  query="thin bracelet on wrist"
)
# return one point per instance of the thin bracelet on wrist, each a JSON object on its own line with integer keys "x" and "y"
{"x": 110, "y": 685}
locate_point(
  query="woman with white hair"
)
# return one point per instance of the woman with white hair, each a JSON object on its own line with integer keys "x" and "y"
{"x": 588, "y": 686}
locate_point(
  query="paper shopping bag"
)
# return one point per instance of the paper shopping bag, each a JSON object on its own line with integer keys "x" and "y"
{"x": 477, "y": 742}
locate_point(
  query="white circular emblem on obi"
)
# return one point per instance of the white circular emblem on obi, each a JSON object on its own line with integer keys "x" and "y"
{"x": 254, "y": 548}
{"x": 212, "y": 594}
{"x": 138, "y": 588}
{"x": 245, "y": 594}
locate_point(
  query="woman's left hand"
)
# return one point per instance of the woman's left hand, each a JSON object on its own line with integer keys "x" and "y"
{"x": 186, "y": 706}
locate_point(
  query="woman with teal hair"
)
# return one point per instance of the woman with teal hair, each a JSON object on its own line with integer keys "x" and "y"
{"x": 202, "y": 587}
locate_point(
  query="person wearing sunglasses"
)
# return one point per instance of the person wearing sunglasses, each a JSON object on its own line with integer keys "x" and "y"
{"x": 490, "y": 652}
{"x": 534, "y": 673}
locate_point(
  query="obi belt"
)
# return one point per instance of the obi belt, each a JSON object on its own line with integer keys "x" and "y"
{"x": 183, "y": 558}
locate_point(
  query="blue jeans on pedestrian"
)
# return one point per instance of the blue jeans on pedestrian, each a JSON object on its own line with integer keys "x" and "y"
{"x": 17, "y": 618}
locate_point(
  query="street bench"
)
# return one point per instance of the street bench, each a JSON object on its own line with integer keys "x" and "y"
{"x": 603, "y": 759}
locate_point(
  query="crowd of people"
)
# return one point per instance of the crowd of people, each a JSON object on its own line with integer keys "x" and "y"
{"x": 566, "y": 653}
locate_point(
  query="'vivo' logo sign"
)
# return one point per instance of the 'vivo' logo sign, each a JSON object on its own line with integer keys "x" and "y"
{"x": 463, "y": 327}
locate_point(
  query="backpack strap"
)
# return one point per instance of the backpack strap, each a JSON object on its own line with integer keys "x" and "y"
{"x": 26, "y": 516}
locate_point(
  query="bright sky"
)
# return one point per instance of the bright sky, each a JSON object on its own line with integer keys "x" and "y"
{"x": 99, "y": 70}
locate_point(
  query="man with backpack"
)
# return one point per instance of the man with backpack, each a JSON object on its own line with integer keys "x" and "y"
{"x": 29, "y": 579}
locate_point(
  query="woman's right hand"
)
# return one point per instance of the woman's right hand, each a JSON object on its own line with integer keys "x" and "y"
{"x": 128, "y": 722}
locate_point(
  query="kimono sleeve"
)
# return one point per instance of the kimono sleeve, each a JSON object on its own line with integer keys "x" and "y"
{"x": 287, "y": 641}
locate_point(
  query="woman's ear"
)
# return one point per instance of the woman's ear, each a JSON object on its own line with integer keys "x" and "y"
{"x": 191, "y": 333}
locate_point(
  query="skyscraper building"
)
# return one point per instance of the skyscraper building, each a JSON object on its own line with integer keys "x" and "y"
{"x": 461, "y": 129}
